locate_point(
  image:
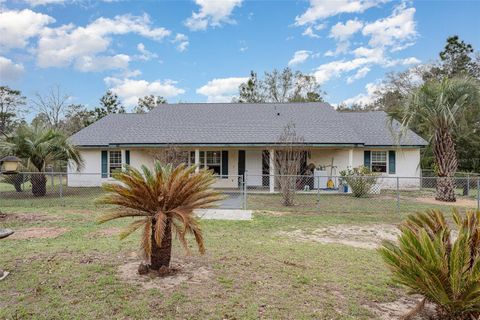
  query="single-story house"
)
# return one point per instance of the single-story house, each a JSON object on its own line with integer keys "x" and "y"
{"x": 237, "y": 138}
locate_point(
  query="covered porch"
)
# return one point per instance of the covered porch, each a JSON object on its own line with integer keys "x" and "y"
{"x": 258, "y": 165}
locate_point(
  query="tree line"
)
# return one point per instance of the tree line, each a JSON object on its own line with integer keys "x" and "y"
{"x": 54, "y": 111}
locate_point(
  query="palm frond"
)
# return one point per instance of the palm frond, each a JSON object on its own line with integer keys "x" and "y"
{"x": 131, "y": 228}
{"x": 445, "y": 271}
{"x": 166, "y": 196}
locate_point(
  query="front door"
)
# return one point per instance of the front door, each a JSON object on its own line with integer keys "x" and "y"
{"x": 253, "y": 165}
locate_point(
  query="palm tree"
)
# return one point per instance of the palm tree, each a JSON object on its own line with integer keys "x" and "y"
{"x": 441, "y": 106}
{"x": 40, "y": 147}
{"x": 162, "y": 199}
{"x": 432, "y": 262}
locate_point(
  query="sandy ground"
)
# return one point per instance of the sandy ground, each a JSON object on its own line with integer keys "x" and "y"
{"x": 365, "y": 237}
{"x": 469, "y": 203}
{"x": 37, "y": 233}
{"x": 184, "y": 272}
{"x": 399, "y": 308}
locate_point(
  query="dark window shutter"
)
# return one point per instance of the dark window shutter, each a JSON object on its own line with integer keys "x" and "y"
{"x": 104, "y": 164}
{"x": 366, "y": 159}
{"x": 127, "y": 157}
{"x": 391, "y": 162}
{"x": 224, "y": 164}
{"x": 241, "y": 162}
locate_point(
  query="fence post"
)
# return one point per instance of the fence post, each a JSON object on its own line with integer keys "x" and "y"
{"x": 478, "y": 193}
{"x": 468, "y": 185}
{"x": 61, "y": 186}
{"x": 398, "y": 194}
{"x": 245, "y": 190}
{"x": 318, "y": 189}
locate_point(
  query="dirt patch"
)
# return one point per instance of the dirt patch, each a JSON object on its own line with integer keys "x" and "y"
{"x": 107, "y": 232}
{"x": 37, "y": 233}
{"x": 183, "y": 272}
{"x": 365, "y": 237}
{"x": 27, "y": 217}
{"x": 469, "y": 203}
{"x": 399, "y": 308}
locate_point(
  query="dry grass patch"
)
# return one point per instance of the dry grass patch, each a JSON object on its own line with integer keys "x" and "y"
{"x": 27, "y": 217}
{"x": 461, "y": 202}
{"x": 365, "y": 237}
{"x": 38, "y": 233}
{"x": 107, "y": 232}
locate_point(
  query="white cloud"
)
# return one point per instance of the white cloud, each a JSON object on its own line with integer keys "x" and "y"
{"x": 35, "y": 3}
{"x": 100, "y": 63}
{"x": 343, "y": 31}
{"x": 221, "y": 90}
{"x": 364, "y": 98}
{"x": 130, "y": 90}
{"x": 309, "y": 31}
{"x": 411, "y": 60}
{"x": 321, "y": 9}
{"x": 361, "y": 73}
{"x": 65, "y": 45}
{"x": 212, "y": 13}
{"x": 342, "y": 47}
{"x": 182, "y": 42}
{"x": 335, "y": 68}
{"x": 375, "y": 54}
{"x": 129, "y": 73}
{"x": 299, "y": 57}
{"x": 17, "y": 27}
{"x": 10, "y": 70}
{"x": 145, "y": 54}
{"x": 394, "y": 30}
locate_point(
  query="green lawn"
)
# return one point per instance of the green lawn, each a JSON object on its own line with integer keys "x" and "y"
{"x": 255, "y": 269}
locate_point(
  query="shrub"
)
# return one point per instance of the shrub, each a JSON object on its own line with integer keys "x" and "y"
{"x": 361, "y": 180}
{"x": 430, "y": 262}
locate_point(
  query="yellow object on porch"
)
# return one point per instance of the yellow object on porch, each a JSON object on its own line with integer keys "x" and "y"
{"x": 330, "y": 184}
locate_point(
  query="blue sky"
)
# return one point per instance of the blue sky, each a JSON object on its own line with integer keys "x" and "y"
{"x": 199, "y": 51}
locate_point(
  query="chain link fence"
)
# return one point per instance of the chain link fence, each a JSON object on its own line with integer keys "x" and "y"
{"x": 362, "y": 194}
{"x": 79, "y": 190}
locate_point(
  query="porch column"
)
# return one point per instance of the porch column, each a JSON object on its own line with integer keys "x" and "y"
{"x": 271, "y": 170}
{"x": 197, "y": 160}
{"x": 350, "y": 158}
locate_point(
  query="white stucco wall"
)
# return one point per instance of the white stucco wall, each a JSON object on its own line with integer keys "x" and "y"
{"x": 90, "y": 174}
{"x": 407, "y": 165}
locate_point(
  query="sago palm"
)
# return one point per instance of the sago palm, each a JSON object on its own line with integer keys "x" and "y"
{"x": 40, "y": 147}
{"x": 445, "y": 271}
{"x": 441, "y": 106}
{"x": 162, "y": 200}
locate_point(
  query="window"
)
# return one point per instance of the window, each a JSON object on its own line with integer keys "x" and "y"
{"x": 211, "y": 160}
{"x": 115, "y": 161}
{"x": 379, "y": 161}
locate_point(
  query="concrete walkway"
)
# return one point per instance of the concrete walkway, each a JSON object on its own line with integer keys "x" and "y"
{"x": 224, "y": 214}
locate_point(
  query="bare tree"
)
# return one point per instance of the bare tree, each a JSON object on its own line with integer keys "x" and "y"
{"x": 53, "y": 105}
{"x": 170, "y": 155}
{"x": 289, "y": 155}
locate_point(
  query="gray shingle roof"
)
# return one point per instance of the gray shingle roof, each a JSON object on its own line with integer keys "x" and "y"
{"x": 374, "y": 129}
{"x": 226, "y": 123}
